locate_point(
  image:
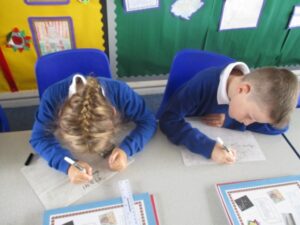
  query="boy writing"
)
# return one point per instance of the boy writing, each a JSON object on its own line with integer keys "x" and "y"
{"x": 230, "y": 97}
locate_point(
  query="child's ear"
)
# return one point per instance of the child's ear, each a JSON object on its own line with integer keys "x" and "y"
{"x": 244, "y": 88}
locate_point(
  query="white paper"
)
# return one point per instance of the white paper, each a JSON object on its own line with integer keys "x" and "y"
{"x": 185, "y": 8}
{"x": 240, "y": 14}
{"x": 295, "y": 18}
{"x": 54, "y": 188}
{"x": 244, "y": 143}
{"x": 133, "y": 5}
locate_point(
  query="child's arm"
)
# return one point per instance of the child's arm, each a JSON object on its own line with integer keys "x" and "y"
{"x": 133, "y": 108}
{"x": 266, "y": 129}
{"x": 42, "y": 138}
{"x": 187, "y": 101}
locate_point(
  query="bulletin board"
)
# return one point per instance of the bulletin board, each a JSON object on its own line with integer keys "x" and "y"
{"x": 148, "y": 40}
{"x": 85, "y": 27}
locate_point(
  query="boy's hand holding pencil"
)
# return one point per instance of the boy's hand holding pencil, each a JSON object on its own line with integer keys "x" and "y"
{"x": 222, "y": 154}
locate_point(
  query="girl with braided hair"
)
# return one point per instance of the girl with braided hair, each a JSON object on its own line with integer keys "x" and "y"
{"x": 83, "y": 115}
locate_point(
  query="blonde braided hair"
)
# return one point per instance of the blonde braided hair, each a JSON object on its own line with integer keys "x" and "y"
{"x": 87, "y": 122}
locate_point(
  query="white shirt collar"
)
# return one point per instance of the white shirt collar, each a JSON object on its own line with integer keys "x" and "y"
{"x": 222, "y": 96}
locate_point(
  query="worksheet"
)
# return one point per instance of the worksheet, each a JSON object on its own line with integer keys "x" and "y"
{"x": 54, "y": 188}
{"x": 244, "y": 143}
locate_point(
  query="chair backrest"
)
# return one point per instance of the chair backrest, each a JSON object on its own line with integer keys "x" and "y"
{"x": 185, "y": 65}
{"x": 4, "y": 125}
{"x": 58, "y": 65}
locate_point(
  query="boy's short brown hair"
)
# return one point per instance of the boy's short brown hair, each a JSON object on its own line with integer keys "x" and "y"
{"x": 277, "y": 89}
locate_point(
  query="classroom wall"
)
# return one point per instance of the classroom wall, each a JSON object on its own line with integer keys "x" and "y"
{"x": 87, "y": 26}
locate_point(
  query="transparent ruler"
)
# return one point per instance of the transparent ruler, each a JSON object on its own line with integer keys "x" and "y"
{"x": 128, "y": 203}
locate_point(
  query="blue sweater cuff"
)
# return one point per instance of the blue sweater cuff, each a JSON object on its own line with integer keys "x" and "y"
{"x": 205, "y": 149}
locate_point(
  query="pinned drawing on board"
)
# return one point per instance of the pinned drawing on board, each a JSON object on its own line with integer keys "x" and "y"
{"x": 17, "y": 40}
{"x": 52, "y": 34}
{"x": 241, "y": 14}
{"x": 295, "y": 18}
{"x": 186, "y": 8}
{"x": 138, "y": 5}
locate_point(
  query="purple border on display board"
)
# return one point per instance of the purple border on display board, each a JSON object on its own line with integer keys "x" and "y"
{"x": 47, "y": 2}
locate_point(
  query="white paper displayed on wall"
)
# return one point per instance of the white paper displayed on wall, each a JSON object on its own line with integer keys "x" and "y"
{"x": 239, "y": 14}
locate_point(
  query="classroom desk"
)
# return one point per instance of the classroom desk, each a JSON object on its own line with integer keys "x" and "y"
{"x": 184, "y": 195}
{"x": 293, "y": 132}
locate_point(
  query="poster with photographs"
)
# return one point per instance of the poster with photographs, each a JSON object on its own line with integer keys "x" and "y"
{"x": 267, "y": 201}
{"x": 52, "y": 34}
{"x": 109, "y": 212}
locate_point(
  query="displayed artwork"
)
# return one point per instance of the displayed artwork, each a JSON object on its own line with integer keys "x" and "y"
{"x": 17, "y": 40}
{"x": 52, "y": 34}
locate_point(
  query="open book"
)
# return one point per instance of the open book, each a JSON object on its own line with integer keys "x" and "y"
{"x": 272, "y": 201}
{"x": 108, "y": 212}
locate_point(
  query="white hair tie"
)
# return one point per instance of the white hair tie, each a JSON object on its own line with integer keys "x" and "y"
{"x": 73, "y": 88}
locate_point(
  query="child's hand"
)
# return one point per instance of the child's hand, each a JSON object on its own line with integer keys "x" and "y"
{"x": 117, "y": 160}
{"x": 78, "y": 177}
{"x": 215, "y": 120}
{"x": 219, "y": 155}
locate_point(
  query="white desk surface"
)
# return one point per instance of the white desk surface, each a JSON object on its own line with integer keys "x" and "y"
{"x": 293, "y": 133}
{"x": 184, "y": 195}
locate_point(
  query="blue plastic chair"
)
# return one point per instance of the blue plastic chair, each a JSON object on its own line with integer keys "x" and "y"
{"x": 56, "y": 66}
{"x": 185, "y": 65}
{"x": 4, "y": 125}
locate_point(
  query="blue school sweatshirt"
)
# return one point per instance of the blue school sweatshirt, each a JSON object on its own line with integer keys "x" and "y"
{"x": 130, "y": 105}
{"x": 198, "y": 97}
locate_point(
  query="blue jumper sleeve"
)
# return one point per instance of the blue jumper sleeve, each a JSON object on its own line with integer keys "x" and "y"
{"x": 264, "y": 128}
{"x": 185, "y": 102}
{"x": 133, "y": 108}
{"x": 42, "y": 139}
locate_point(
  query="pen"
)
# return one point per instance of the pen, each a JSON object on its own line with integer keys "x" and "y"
{"x": 29, "y": 159}
{"x": 221, "y": 142}
{"x": 75, "y": 164}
